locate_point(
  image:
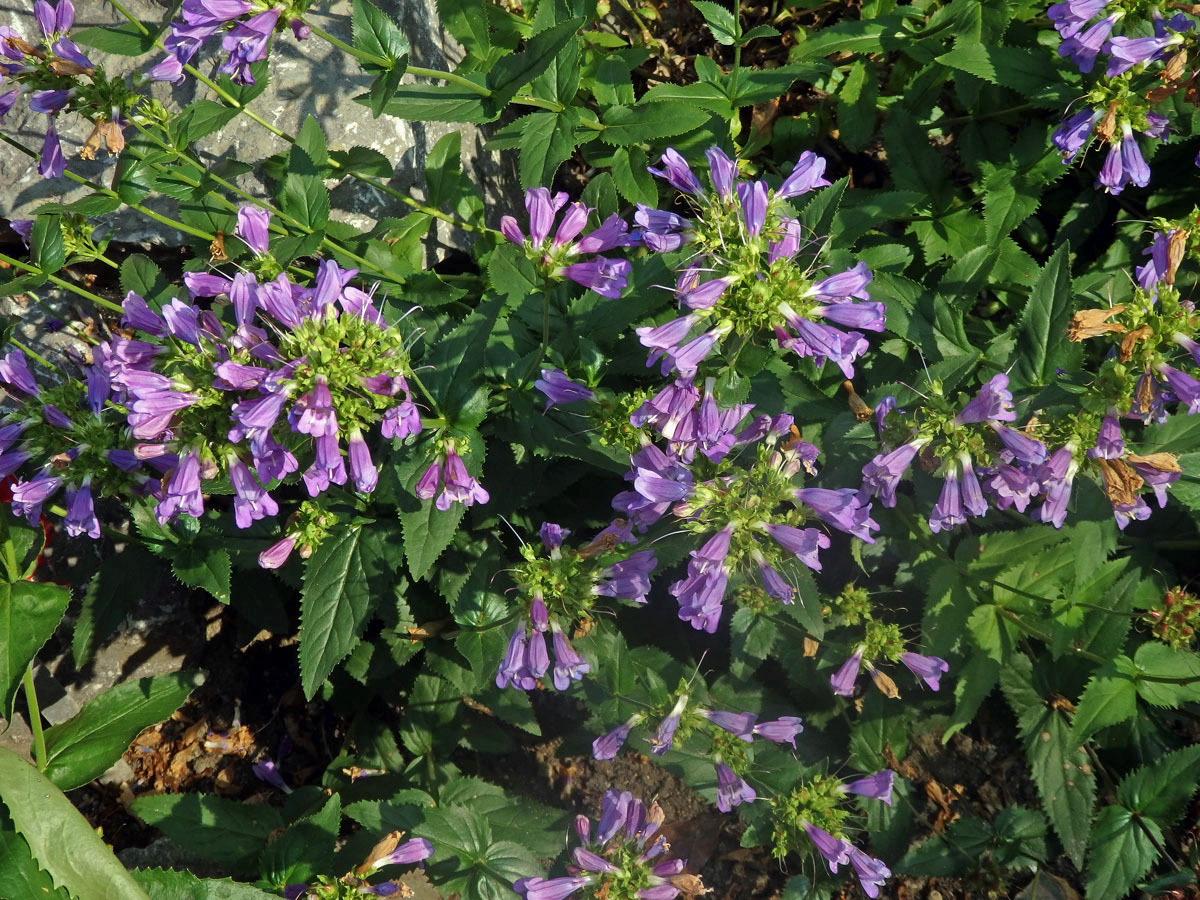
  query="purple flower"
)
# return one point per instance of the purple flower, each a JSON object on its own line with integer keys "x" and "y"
{"x": 139, "y": 315}
{"x": 740, "y": 725}
{"x": 781, "y": 731}
{"x": 49, "y": 102}
{"x": 15, "y": 373}
{"x": 253, "y": 227}
{"x": 182, "y": 491}
{"x": 362, "y": 470}
{"x": 1155, "y": 476}
{"x": 704, "y": 296}
{"x": 411, "y": 851}
{"x": 836, "y": 851}
{"x": 246, "y": 43}
{"x": 1108, "y": 442}
{"x": 559, "y": 389}
{"x": 873, "y": 787}
{"x": 182, "y": 321}
{"x": 662, "y": 231}
{"x": 1184, "y": 386}
{"x": 882, "y": 475}
{"x": 1074, "y": 133}
{"x": 552, "y": 889}
{"x": 266, "y": 770}
{"x": 1124, "y": 164}
{"x": 660, "y": 742}
{"x": 51, "y": 162}
{"x": 752, "y": 196}
{"x": 1055, "y": 476}
{"x": 842, "y": 287}
{"x": 608, "y": 745}
{"x": 628, "y": 579}
{"x": 429, "y": 481}
{"x": 328, "y": 466}
{"x": 459, "y": 486}
{"x": 1127, "y": 52}
{"x": 928, "y": 668}
{"x": 568, "y": 664}
{"x": 732, "y": 790}
{"x": 803, "y": 542}
{"x": 1081, "y": 49}
{"x": 251, "y": 501}
{"x": 318, "y": 417}
{"x": 842, "y": 509}
{"x": 593, "y": 862}
{"x": 948, "y": 511}
{"x": 607, "y": 277}
{"x": 1011, "y": 486}
{"x": 871, "y": 872}
{"x": 806, "y": 176}
{"x": 842, "y": 681}
{"x": 773, "y": 582}
{"x": 677, "y": 173}
{"x": 277, "y": 554}
{"x": 993, "y": 402}
{"x": 81, "y": 516}
{"x": 28, "y": 496}
{"x": 723, "y": 171}
{"x": 972, "y": 493}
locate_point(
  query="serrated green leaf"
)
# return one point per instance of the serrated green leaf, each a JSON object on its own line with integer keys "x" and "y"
{"x": 1161, "y": 790}
{"x": 207, "y": 568}
{"x": 865, "y": 36}
{"x": 173, "y": 884}
{"x": 457, "y": 358}
{"x": 724, "y": 25}
{"x": 1030, "y": 72}
{"x": 125, "y": 39}
{"x": 21, "y": 878}
{"x": 914, "y": 164}
{"x": 856, "y": 106}
{"x": 50, "y": 825}
{"x": 200, "y": 118}
{"x": 1109, "y": 698}
{"x": 1044, "y": 324}
{"x": 363, "y": 161}
{"x": 467, "y": 22}
{"x": 216, "y": 828}
{"x": 435, "y": 103}
{"x": 547, "y": 140}
{"x": 976, "y": 680}
{"x": 375, "y": 33}
{"x": 517, "y": 69}
{"x": 29, "y": 613}
{"x": 305, "y": 849}
{"x": 646, "y": 122}
{"x": 631, "y": 178}
{"x": 85, "y": 746}
{"x": 1065, "y": 781}
{"x": 818, "y": 214}
{"x": 1160, "y": 661}
{"x": 427, "y": 532}
{"x": 305, "y": 199}
{"x": 956, "y": 852}
{"x": 47, "y": 249}
{"x": 1121, "y": 853}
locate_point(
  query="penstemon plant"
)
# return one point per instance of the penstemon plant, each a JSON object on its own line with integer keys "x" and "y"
{"x": 812, "y": 420}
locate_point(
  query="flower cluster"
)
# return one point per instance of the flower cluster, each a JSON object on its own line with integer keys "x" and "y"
{"x": 389, "y": 851}
{"x": 562, "y": 588}
{"x": 49, "y": 74}
{"x": 814, "y": 809}
{"x": 624, "y": 857}
{"x": 245, "y": 26}
{"x": 753, "y": 271}
{"x": 1121, "y": 105}
{"x": 561, "y": 255}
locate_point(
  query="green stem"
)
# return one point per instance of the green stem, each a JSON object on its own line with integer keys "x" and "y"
{"x": 28, "y": 351}
{"x": 360, "y": 55}
{"x": 62, "y": 282}
{"x": 450, "y": 77}
{"x": 35, "y": 719}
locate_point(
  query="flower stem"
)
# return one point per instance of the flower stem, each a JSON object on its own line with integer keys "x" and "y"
{"x": 62, "y": 282}
{"x": 35, "y": 718}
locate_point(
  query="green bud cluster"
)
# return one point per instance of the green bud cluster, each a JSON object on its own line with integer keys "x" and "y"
{"x": 816, "y": 801}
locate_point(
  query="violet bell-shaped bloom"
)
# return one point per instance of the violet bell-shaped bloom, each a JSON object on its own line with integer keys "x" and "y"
{"x": 1056, "y": 476}
{"x": 318, "y": 417}
{"x": 836, "y": 851}
{"x": 948, "y": 511}
{"x": 804, "y": 543}
{"x": 723, "y": 171}
{"x": 1183, "y": 386}
{"x": 251, "y": 501}
{"x": 740, "y": 725}
{"x": 15, "y": 373}
{"x": 81, "y": 515}
{"x": 677, "y": 173}
{"x": 1108, "y": 441}
{"x": 662, "y": 231}
{"x": 411, "y": 851}
{"x": 881, "y": 476}
{"x": 266, "y": 770}
{"x": 731, "y": 789}
{"x": 363, "y": 472}
{"x": 1124, "y": 164}
{"x": 182, "y": 491}
{"x": 660, "y": 742}
{"x": 972, "y": 493}
{"x": 51, "y": 162}
{"x": 806, "y": 175}
{"x": 608, "y": 745}
{"x": 277, "y": 554}
{"x": 871, "y": 872}
{"x": 842, "y": 681}
{"x": 1127, "y": 52}
{"x": 842, "y": 509}
{"x": 782, "y": 730}
{"x": 459, "y": 486}
{"x": 28, "y": 496}
{"x": 1082, "y": 48}
{"x": 928, "y": 668}
{"x": 873, "y": 787}
{"x": 253, "y": 227}
{"x": 752, "y": 196}
{"x": 628, "y": 579}
{"x": 845, "y": 286}
{"x": 246, "y": 43}
{"x": 568, "y": 664}
{"x": 993, "y": 402}
{"x": 559, "y": 389}
{"x": 1074, "y": 133}
{"x": 550, "y": 889}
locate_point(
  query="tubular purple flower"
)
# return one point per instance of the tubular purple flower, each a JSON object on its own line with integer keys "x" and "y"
{"x": 805, "y": 543}
{"x": 459, "y": 486}
{"x": 271, "y": 460}
{"x": 246, "y": 43}
{"x": 7, "y": 100}
{"x": 233, "y": 376}
{"x": 559, "y": 389}
{"x": 552, "y": 889}
{"x": 662, "y": 231}
{"x": 881, "y": 476}
{"x": 401, "y": 421}
{"x": 723, "y": 171}
{"x": 1132, "y": 163}
{"x": 1108, "y": 442}
{"x": 512, "y": 230}
{"x": 806, "y": 176}
{"x": 842, "y": 509}
{"x": 607, "y": 277}
{"x": 1126, "y": 52}
{"x": 1055, "y": 476}
{"x": 628, "y": 579}
{"x": 256, "y": 416}
{"x": 182, "y": 491}
{"x": 609, "y": 234}
{"x": 1081, "y": 49}
{"x": 873, "y": 787}
{"x": 328, "y": 466}
{"x": 614, "y": 812}
{"x": 774, "y": 584}
{"x": 972, "y": 494}
{"x": 660, "y": 742}
{"x": 12, "y": 460}
{"x": 843, "y": 286}
{"x": 700, "y": 595}
{"x": 752, "y": 197}
{"x": 1184, "y": 386}
{"x": 791, "y": 232}
{"x": 572, "y": 223}
{"x": 782, "y": 730}
{"x": 428, "y": 483}
{"x": 318, "y": 417}
{"x": 266, "y": 770}
{"x": 836, "y": 851}
{"x": 707, "y": 294}
{"x": 277, "y": 554}
{"x": 1011, "y": 486}
{"x": 948, "y": 511}
{"x": 568, "y": 665}
{"x": 842, "y": 681}
{"x": 928, "y": 668}
{"x": 182, "y": 321}
{"x": 994, "y": 401}
{"x": 81, "y": 516}
{"x": 607, "y": 746}
{"x": 1074, "y": 133}
{"x": 677, "y": 173}
{"x": 251, "y": 501}
{"x": 870, "y": 316}
{"x": 871, "y": 872}
{"x": 28, "y": 496}
{"x": 362, "y": 470}
{"x": 49, "y": 102}
{"x": 253, "y": 226}
{"x": 15, "y": 373}
{"x": 55, "y": 416}
{"x": 542, "y": 208}
{"x": 592, "y": 862}
{"x": 731, "y": 790}
{"x": 98, "y": 388}
{"x": 740, "y": 725}
{"x": 1188, "y": 344}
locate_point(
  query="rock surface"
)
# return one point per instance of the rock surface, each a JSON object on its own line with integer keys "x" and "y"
{"x": 309, "y": 77}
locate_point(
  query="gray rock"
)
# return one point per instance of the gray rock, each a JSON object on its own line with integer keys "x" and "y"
{"x": 309, "y": 77}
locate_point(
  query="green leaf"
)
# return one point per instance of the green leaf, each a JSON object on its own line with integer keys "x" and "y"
{"x": 1161, "y": 661}
{"x": 60, "y": 839}
{"x": 466, "y": 20}
{"x": 956, "y": 852}
{"x": 363, "y": 161}
{"x": 375, "y": 33}
{"x": 1121, "y": 853}
{"x": 456, "y": 359}
{"x": 1109, "y": 698}
{"x": 200, "y": 119}
{"x": 486, "y": 867}
{"x": 47, "y": 248}
{"x": 631, "y": 178}
{"x": 443, "y": 170}
{"x": 511, "y": 72}
{"x": 971, "y": 688}
{"x": 435, "y": 103}
{"x": 1030, "y": 72}
{"x": 309, "y": 154}
{"x": 305, "y": 849}
{"x": 173, "y": 884}
{"x": 213, "y": 827}
{"x": 207, "y": 568}
{"x": 724, "y": 25}
{"x": 305, "y": 199}
{"x": 85, "y": 746}
{"x": 21, "y": 878}
{"x": 126, "y": 39}
{"x": 337, "y": 600}
{"x": 1044, "y": 324}
{"x": 29, "y": 613}
{"x": 856, "y": 106}
{"x": 865, "y": 36}
{"x": 647, "y": 122}
{"x": 914, "y": 164}
{"x": 427, "y": 532}
{"x": 702, "y": 94}
{"x": 1065, "y": 781}
{"x": 1160, "y": 790}
{"x": 764, "y": 85}
{"x": 547, "y": 140}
